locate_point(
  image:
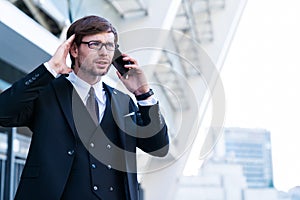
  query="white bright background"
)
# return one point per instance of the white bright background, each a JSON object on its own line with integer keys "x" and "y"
{"x": 261, "y": 76}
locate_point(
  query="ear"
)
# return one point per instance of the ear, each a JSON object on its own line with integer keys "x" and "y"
{"x": 74, "y": 50}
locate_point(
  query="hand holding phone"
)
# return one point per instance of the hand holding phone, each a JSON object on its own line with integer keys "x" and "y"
{"x": 137, "y": 84}
{"x": 119, "y": 63}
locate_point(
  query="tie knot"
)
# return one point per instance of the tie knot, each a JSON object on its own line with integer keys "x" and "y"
{"x": 92, "y": 92}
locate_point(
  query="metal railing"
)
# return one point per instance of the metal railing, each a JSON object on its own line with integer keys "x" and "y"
{"x": 13, "y": 153}
{"x": 129, "y": 7}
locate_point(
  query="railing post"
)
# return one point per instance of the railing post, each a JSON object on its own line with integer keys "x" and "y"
{"x": 10, "y": 164}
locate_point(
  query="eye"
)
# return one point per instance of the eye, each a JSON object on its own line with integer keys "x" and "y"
{"x": 94, "y": 44}
{"x": 111, "y": 45}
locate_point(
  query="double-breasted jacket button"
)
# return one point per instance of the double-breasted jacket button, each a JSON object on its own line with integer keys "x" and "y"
{"x": 95, "y": 187}
{"x": 92, "y": 145}
{"x": 109, "y": 167}
{"x": 71, "y": 152}
{"x": 111, "y": 189}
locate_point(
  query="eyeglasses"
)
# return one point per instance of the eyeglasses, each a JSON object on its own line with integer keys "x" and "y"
{"x": 96, "y": 45}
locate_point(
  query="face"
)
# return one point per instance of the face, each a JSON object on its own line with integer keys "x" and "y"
{"x": 91, "y": 64}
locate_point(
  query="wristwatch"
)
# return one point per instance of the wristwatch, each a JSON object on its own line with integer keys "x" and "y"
{"x": 144, "y": 96}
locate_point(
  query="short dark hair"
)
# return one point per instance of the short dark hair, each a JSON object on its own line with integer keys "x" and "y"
{"x": 89, "y": 25}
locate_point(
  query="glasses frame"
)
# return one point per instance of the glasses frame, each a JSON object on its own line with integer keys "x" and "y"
{"x": 101, "y": 45}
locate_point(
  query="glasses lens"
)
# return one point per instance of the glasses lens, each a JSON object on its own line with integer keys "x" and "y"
{"x": 98, "y": 45}
{"x": 110, "y": 46}
{"x": 95, "y": 45}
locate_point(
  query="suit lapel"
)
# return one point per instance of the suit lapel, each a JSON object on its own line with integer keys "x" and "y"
{"x": 63, "y": 89}
{"x": 117, "y": 108}
{"x": 66, "y": 94}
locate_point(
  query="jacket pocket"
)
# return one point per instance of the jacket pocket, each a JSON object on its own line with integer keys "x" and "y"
{"x": 31, "y": 171}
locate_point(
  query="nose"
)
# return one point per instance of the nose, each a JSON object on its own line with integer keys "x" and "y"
{"x": 103, "y": 51}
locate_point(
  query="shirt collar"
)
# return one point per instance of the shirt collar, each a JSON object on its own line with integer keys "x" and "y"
{"x": 83, "y": 88}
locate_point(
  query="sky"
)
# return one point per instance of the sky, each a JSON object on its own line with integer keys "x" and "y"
{"x": 261, "y": 77}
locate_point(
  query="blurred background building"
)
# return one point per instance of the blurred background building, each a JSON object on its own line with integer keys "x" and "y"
{"x": 239, "y": 168}
{"x": 251, "y": 149}
{"x": 189, "y": 40}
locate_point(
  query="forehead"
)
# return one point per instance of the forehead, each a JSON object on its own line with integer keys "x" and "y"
{"x": 103, "y": 37}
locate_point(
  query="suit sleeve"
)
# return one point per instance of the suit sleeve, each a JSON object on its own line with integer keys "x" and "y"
{"x": 17, "y": 102}
{"x": 152, "y": 132}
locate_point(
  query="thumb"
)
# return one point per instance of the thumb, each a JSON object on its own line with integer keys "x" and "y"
{"x": 66, "y": 70}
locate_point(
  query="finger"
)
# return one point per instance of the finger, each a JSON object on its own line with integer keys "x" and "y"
{"x": 68, "y": 43}
{"x": 67, "y": 70}
{"x": 124, "y": 55}
{"x": 131, "y": 66}
{"x": 128, "y": 58}
{"x": 124, "y": 77}
{"x": 119, "y": 75}
{"x": 70, "y": 40}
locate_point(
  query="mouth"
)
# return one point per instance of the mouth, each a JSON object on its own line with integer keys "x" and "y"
{"x": 102, "y": 63}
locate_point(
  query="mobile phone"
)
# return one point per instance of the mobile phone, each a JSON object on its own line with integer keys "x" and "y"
{"x": 119, "y": 63}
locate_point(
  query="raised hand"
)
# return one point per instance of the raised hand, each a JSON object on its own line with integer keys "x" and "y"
{"x": 134, "y": 80}
{"x": 58, "y": 60}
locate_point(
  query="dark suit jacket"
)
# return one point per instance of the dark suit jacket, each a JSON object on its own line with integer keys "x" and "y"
{"x": 44, "y": 104}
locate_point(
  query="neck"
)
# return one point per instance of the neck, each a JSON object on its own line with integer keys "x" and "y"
{"x": 90, "y": 79}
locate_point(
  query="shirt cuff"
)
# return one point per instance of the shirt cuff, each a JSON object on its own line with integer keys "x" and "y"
{"x": 52, "y": 71}
{"x": 148, "y": 102}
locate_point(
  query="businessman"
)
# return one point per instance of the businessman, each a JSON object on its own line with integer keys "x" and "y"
{"x": 85, "y": 133}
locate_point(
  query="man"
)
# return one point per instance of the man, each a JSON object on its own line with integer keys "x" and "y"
{"x": 85, "y": 133}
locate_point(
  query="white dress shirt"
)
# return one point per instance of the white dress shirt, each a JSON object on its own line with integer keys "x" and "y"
{"x": 83, "y": 88}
